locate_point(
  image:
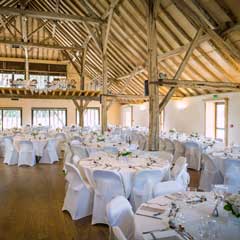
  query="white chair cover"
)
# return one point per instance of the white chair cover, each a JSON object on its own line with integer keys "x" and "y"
{"x": 179, "y": 165}
{"x": 144, "y": 182}
{"x": 80, "y": 151}
{"x": 232, "y": 172}
{"x": 236, "y": 149}
{"x": 179, "y": 150}
{"x": 50, "y": 152}
{"x": 75, "y": 142}
{"x": 26, "y": 154}
{"x": 142, "y": 142}
{"x": 193, "y": 154}
{"x": 118, "y": 234}
{"x": 61, "y": 139}
{"x": 210, "y": 174}
{"x": 67, "y": 155}
{"x": 121, "y": 218}
{"x": 169, "y": 146}
{"x": 75, "y": 160}
{"x": 166, "y": 156}
{"x": 133, "y": 147}
{"x": 10, "y": 153}
{"x": 108, "y": 185}
{"x": 179, "y": 184}
{"x": 2, "y": 148}
{"x": 79, "y": 196}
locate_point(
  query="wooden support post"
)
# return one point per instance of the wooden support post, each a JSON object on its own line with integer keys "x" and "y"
{"x": 153, "y": 139}
{"x": 180, "y": 70}
{"x": 25, "y": 39}
{"x": 82, "y": 84}
{"x": 104, "y": 84}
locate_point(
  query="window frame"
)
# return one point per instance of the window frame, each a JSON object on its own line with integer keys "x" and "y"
{"x": 49, "y": 110}
{"x": 10, "y": 108}
{"x": 224, "y": 101}
{"x": 94, "y": 108}
{"x": 216, "y": 118}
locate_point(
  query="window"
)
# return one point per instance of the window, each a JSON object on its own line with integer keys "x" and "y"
{"x": 55, "y": 118}
{"x": 5, "y": 79}
{"x": 220, "y": 120}
{"x": 91, "y": 117}
{"x": 10, "y": 118}
{"x": 216, "y": 118}
{"x": 127, "y": 116}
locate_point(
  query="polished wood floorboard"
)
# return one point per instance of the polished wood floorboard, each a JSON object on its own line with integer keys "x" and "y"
{"x": 31, "y": 199}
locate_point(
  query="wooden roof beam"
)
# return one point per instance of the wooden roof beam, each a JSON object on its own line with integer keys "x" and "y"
{"x": 198, "y": 21}
{"x": 182, "y": 66}
{"x": 39, "y": 45}
{"x": 182, "y": 49}
{"x": 198, "y": 84}
{"x": 126, "y": 84}
{"x": 48, "y": 15}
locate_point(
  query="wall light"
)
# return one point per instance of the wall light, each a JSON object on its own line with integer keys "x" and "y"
{"x": 143, "y": 107}
{"x": 181, "y": 104}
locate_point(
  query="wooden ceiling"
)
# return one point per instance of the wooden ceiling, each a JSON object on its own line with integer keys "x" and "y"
{"x": 127, "y": 48}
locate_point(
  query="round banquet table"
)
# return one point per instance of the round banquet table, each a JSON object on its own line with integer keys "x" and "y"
{"x": 94, "y": 147}
{"x": 38, "y": 144}
{"x": 126, "y": 167}
{"x": 195, "y": 218}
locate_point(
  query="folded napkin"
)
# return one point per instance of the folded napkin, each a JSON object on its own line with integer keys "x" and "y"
{"x": 164, "y": 235}
{"x": 153, "y": 208}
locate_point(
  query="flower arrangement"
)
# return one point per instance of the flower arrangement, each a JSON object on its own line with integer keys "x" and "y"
{"x": 100, "y": 139}
{"x": 16, "y": 130}
{"x": 124, "y": 153}
{"x": 194, "y": 134}
{"x": 233, "y": 204}
{"x": 173, "y": 130}
{"x": 34, "y": 133}
{"x": 58, "y": 130}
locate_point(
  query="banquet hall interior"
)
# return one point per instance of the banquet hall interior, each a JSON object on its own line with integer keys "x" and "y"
{"x": 120, "y": 119}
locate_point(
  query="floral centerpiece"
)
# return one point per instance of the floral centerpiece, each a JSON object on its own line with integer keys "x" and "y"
{"x": 100, "y": 138}
{"x": 58, "y": 130}
{"x": 124, "y": 153}
{"x": 16, "y": 130}
{"x": 173, "y": 130}
{"x": 194, "y": 134}
{"x": 34, "y": 133}
{"x": 73, "y": 128}
{"x": 233, "y": 204}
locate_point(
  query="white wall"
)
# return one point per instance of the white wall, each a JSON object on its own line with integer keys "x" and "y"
{"x": 28, "y": 104}
{"x": 187, "y": 115}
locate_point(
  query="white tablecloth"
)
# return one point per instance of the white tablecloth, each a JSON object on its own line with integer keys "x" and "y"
{"x": 126, "y": 168}
{"x": 192, "y": 216}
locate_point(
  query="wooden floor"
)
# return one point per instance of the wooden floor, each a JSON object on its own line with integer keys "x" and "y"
{"x": 30, "y": 206}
